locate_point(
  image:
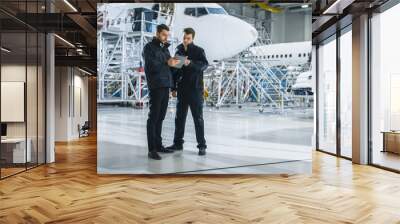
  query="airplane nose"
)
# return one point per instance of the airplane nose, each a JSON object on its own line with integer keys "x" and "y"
{"x": 224, "y": 36}
{"x": 238, "y": 35}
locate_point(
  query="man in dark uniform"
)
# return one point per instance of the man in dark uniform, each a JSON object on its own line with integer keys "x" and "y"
{"x": 190, "y": 89}
{"x": 158, "y": 63}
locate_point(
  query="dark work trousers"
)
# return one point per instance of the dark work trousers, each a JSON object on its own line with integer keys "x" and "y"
{"x": 192, "y": 98}
{"x": 158, "y": 104}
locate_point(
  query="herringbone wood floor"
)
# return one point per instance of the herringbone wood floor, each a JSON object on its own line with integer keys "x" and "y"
{"x": 70, "y": 191}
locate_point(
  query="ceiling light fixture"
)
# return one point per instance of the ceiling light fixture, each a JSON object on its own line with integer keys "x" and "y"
{"x": 84, "y": 71}
{"x": 326, "y": 11}
{"x": 70, "y": 5}
{"x": 5, "y": 50}
{"x": 338, "y": 6}
{"x": 64, "y": 40}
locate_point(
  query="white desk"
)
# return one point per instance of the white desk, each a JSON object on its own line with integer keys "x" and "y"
{"x": 18, "y": 151}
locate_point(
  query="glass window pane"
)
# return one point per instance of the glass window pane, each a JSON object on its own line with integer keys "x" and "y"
{"x": 346, "y": 93}
{"x": 190, "y": 11}
{"x": 386, "y": 89}
{"x": 327, "y": 96}
{"x": 201, "y": 12}
{"x": 216, "y": 11}
{"x": 41, "y": 98}
{"x": 32, "y": 93}
{"x": 13, "y": 86}
{"x": 22, "y": 89}
{"x": 31, "y": 97}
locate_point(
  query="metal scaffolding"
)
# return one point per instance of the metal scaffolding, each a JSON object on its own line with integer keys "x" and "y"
{"x": 250, "y": 79}
{"x": 120, "y": 64}
{"x": 240, "y": 80}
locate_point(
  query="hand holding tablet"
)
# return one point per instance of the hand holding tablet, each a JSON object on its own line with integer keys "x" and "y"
{"x": 172, "y": 62}
{"x": 181, "y": 60}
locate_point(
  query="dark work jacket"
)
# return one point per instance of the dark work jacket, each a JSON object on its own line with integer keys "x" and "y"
{"x": 191, "y": 76}
{"x": 158, "y": 73}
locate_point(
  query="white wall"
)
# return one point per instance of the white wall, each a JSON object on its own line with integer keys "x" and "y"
{"x": 61, "y": 103}
{"x": 71, "y": 102}
{"x": 80, "y": 104}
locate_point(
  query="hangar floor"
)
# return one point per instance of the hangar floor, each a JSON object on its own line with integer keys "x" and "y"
{"x": 240, "y": 141}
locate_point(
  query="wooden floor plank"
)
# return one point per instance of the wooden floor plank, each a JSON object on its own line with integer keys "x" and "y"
{"x": 70, "y": 191}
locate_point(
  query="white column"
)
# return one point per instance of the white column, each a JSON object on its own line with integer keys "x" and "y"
{"x": 50, "y": 99}
{"x": 360, "y": 90}
{"x": 50, "y": 92}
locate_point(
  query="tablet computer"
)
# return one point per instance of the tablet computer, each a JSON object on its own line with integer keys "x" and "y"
{"x": 181, "y": 61}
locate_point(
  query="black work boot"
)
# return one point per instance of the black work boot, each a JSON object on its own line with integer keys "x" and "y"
{"x": 202, "y": 151}
{"x": 154, "y": 155}
{"x": 162, "y": 149}
{"x": 175, "y": 147}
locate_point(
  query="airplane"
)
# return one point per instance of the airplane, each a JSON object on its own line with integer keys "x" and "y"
{"x": 284, "y": 54}
{"x": 304, "y": 84}
{"x": 220, "y": 34}
{"x": 292, "y": 56}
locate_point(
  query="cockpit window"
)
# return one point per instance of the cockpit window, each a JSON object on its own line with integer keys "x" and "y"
{"x": 190, "y": 11}
{"x": 196, "y": 12}
{"x": 201, "y": 12}
{"x": 216, "y": 11}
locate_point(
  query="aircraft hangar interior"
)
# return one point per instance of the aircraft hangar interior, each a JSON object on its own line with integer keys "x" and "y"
{"x": 255, "y": 58}
{"x": 299, "y": 87}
